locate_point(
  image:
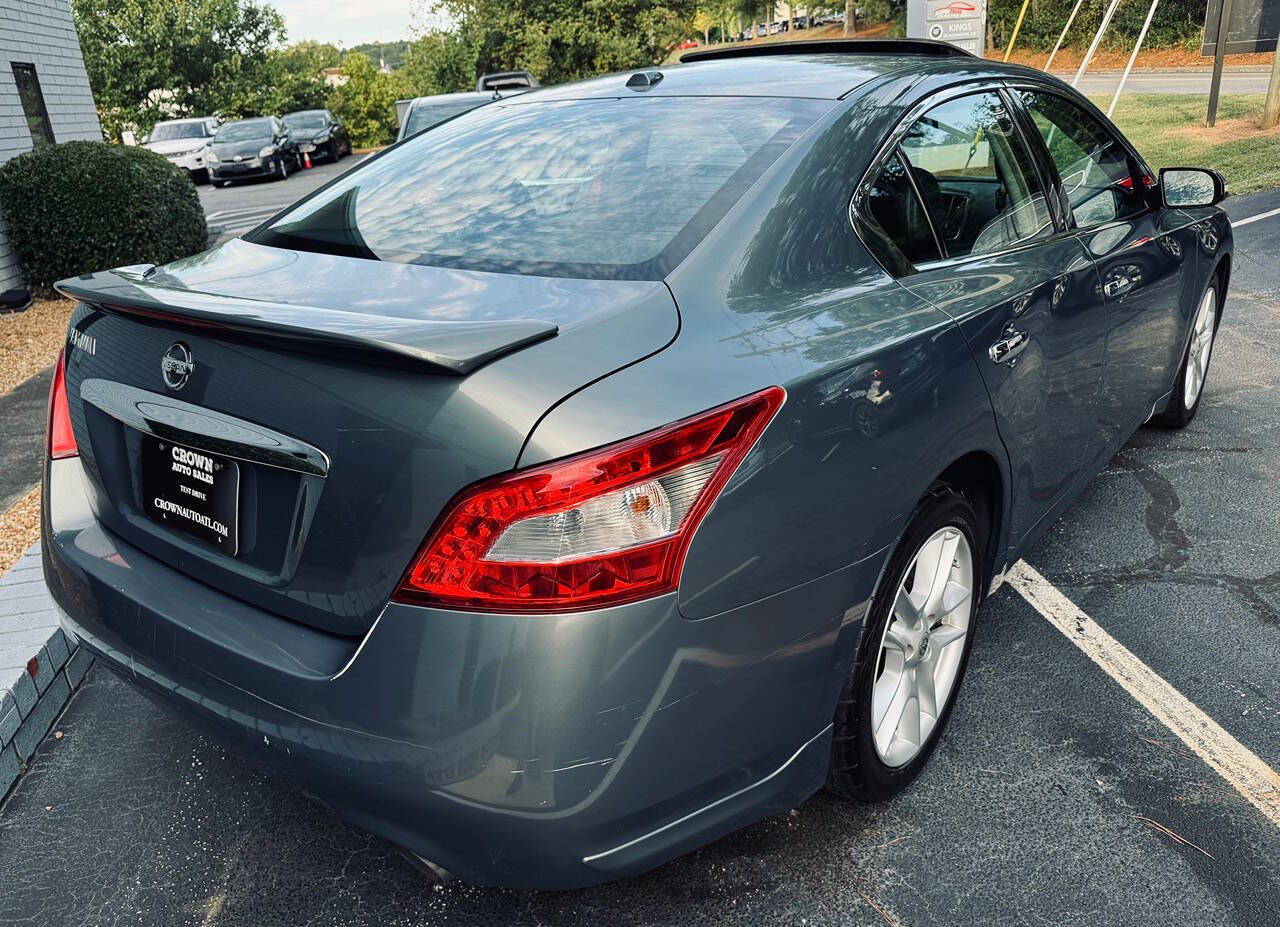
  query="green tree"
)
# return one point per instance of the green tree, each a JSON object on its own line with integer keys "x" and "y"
{"x": 562, "y": 40}
{"x": 366, "y": 102}
{"x": 297, "y": 81}
{"x": 150, "y": 59}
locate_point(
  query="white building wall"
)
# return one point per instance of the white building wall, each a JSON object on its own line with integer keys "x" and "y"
{"x": 40, "y": 32}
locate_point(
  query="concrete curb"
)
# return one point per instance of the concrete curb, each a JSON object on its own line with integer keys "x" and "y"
{"x": 40, "y": 666}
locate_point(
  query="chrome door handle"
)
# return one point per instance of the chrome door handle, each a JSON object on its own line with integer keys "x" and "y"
{"x": 1117, "y": 286}
{"x": 1006, "y": 350}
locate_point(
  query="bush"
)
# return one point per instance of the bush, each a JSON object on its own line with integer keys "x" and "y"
{"x": 80, "y": 207}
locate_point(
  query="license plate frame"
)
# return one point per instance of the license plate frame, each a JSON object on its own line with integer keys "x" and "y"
{"x": 193, "y": 492}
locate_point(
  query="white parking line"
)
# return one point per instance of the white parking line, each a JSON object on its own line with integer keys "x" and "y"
{"x": 1258, "y": 218}
{"x": 1232, "y": 760}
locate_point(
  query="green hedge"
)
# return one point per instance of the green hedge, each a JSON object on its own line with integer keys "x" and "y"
{"x": 80, "y": 207}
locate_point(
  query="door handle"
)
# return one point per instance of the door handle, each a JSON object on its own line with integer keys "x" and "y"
{"x": 1117, "y": 286}
{"x": 1007, "y": 349}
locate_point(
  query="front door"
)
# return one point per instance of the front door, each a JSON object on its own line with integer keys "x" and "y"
{"x": 1140, "y": 253}
{"x": 1023, "y": 291}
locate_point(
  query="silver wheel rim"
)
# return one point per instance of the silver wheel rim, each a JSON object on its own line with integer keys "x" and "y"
{"x": 922, "y": 646}
{"x": 1199, "y": 350}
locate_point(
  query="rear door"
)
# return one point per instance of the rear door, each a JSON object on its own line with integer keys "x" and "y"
{"x": 986, "y": 248}
{"x": 1139, "y": 250}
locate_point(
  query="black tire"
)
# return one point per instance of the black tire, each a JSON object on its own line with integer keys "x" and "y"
{"x": 856, "y": 770}
{"x": 282, "y": 169}
{"x": 332, "y": 153}
{"x": 1176, "y": 415}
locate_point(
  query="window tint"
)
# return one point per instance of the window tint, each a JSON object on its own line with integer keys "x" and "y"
{"x": 1094, "y": 168}
{"x": 619, "y": 188}
{"x": 24, "y": 75}
{"x": 977, "y": 178}
{"x": 893, "y": 221}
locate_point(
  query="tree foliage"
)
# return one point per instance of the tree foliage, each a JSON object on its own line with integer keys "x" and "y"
{"x": 563, "y": 40}
{"x": 148, "y": 59}
{"x": 366, "y": 102}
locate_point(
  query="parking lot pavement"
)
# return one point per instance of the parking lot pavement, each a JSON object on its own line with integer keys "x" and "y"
{"x": 231, "y": 211}
{"x": 1054, "y": 798}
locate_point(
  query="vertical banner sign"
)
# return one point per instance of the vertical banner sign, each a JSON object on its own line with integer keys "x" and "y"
{"x": 963, "y": 23}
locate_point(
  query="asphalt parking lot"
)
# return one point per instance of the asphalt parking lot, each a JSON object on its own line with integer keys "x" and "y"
{"x": 1054, "y": 798}
{"x": 231, "y": 211}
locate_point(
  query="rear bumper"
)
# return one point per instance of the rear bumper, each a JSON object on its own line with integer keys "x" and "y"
{"x": 543, "y": 752}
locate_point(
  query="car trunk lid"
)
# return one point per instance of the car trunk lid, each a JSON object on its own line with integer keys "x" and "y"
{"x": 352, "y": 399}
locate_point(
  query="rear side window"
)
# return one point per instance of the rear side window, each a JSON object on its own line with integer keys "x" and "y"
{"x": 893, "y": 221}
{"x": 1095, "y": 170}
{"x": 615, "y": 188}
{"x": 976, "y": 176}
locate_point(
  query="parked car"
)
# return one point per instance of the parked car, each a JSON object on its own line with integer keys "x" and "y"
{"x": 505, "y": 81}
{"x": 184, "y": 142}
{"x": 318, "y": 133}
{"x": 572, "y": 484}
{"x": 246, "y": 148}
{"x": 424, "y": 112}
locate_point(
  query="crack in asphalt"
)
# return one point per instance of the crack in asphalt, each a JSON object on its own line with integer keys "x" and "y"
{"x": 1173, "y": 547}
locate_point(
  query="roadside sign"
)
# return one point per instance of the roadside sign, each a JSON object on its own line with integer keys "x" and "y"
{"x": 961, "y": 22}
{"x": 1252, "y": 26}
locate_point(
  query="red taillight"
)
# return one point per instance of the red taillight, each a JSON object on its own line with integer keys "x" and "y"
{"x": 608, "y": 526}
{"x": 61, "y": 440}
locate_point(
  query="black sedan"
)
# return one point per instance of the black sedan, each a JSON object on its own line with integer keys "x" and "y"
{"x": 260, "y": 147}
{"x": 318, "y": 133}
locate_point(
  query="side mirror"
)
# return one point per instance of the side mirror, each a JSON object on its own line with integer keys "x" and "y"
{"x": 1191, "y": 186}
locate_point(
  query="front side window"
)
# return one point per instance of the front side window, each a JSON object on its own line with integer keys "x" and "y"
{"x": 29, "y": 92}
{"x": 611, "y": 188}
{"x": 976, "y": 176}
{"x": 1095, "y": 170}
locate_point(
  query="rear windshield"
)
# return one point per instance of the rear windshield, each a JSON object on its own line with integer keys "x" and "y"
{"x": 616, "y": 188}
{"x": 426, "y": 115}
{"x": 243, "y": 131}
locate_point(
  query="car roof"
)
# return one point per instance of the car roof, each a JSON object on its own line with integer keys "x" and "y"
{"x": 303, "y": 112}
{"x": 172, "y": 122}
{"x": 791, "y": 71}
{"x": 448, "y": 97}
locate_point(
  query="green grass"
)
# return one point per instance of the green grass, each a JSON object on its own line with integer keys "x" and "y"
{"x": 1168, "y": 130}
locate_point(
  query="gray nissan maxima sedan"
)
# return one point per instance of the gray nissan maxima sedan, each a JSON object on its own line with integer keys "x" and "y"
{"x": 619, "y": 463}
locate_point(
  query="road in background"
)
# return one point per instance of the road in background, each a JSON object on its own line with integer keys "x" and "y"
{"x": 1171, "y": 80}
{"x": 231, "y": 211}
{"x": 1054, "y": 797}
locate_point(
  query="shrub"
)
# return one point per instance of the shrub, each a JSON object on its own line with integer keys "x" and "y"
{"x": 80, "y": 207}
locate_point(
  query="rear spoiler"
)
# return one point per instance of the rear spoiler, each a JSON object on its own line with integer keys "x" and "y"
{"x": 455, "y": 347}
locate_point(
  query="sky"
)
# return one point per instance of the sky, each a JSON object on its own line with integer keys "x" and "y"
{"x": 348, "y": 22}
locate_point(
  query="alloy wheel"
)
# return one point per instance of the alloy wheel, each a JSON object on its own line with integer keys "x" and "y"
{"x": 922, "y": 647}
{"x": 1201, "y": 347}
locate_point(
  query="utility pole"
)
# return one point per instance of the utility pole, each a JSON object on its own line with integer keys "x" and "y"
{"x": 850, "y": 17}
{"x": 1271, "y": 112}
{"x": 1219, "y": 52}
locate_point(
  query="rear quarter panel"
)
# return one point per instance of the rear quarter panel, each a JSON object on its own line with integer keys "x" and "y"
{"x": 882, "y": 390}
